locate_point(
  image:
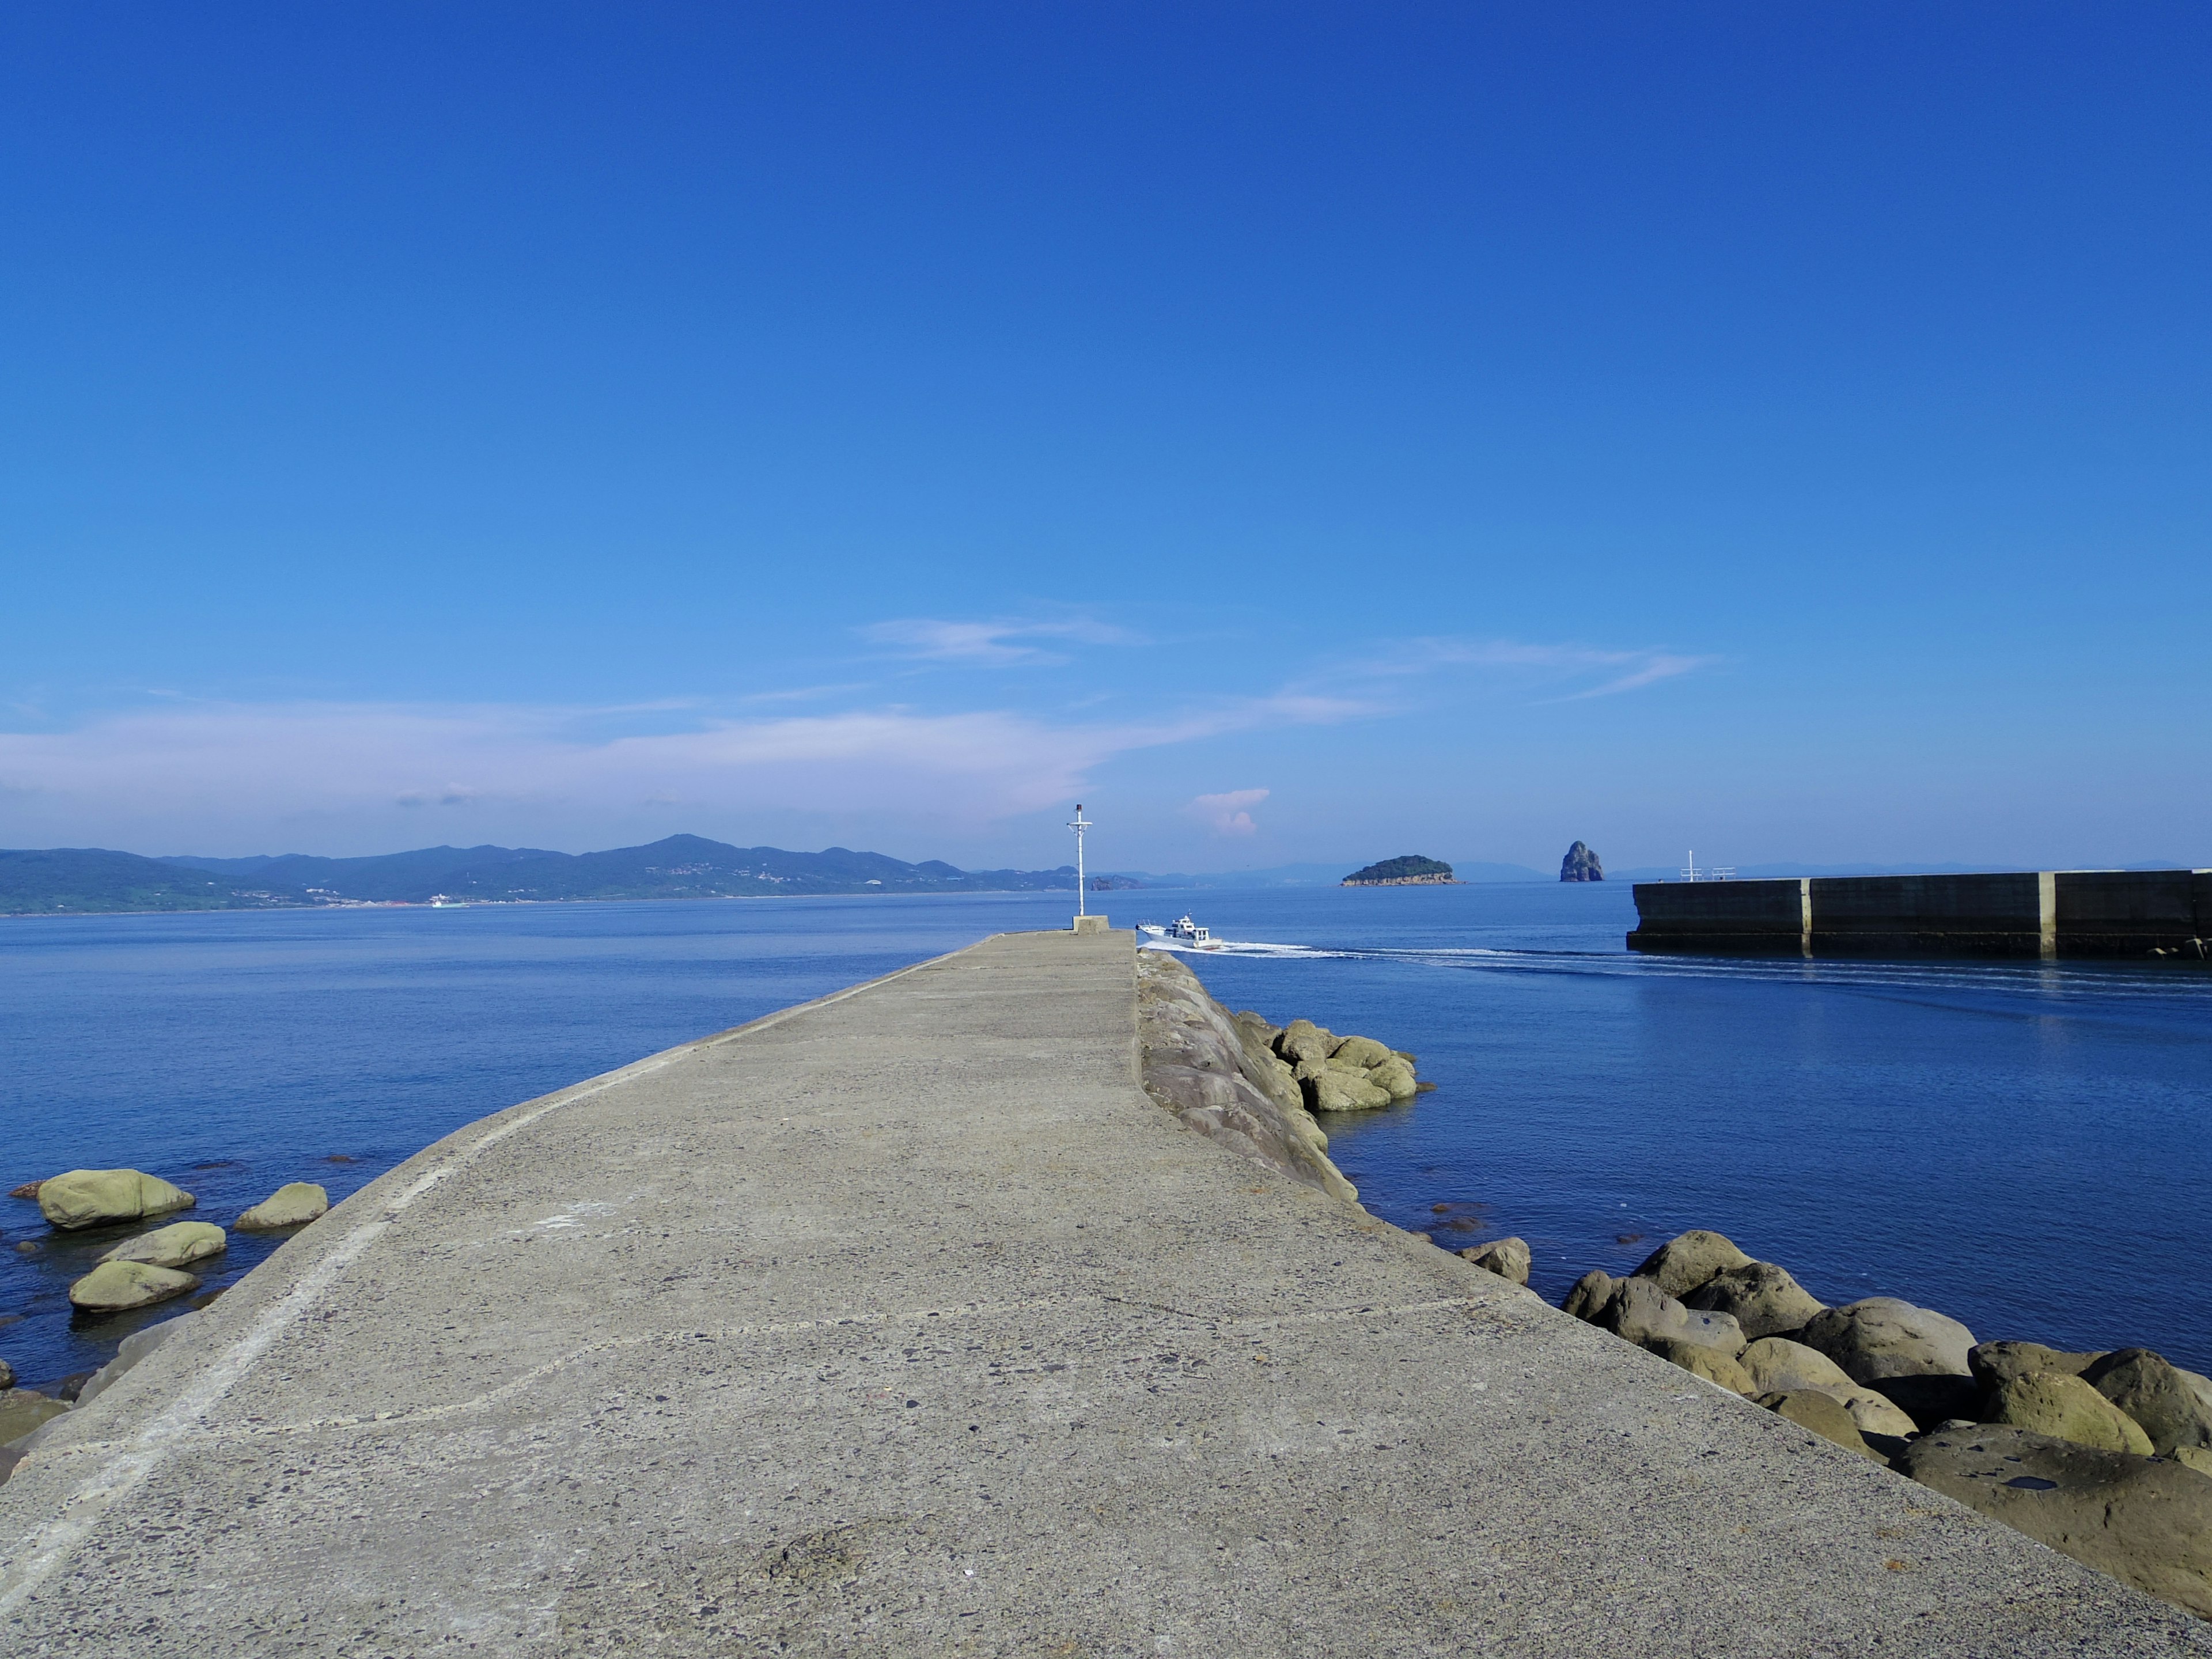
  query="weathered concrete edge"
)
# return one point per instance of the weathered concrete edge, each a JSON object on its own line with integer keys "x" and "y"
{"x": 141, "y": 1449}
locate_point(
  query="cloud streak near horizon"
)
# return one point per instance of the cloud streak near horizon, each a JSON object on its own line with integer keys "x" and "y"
{"x": 258, "y": 770}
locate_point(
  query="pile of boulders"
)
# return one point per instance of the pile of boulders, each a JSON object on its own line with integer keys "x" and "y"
{"x": 2105, "y": 1456}
{"x": 1340, "y": 1073}
{"x": 140, "y": 1271}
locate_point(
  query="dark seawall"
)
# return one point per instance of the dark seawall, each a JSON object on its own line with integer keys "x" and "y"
{"x": 2045, "y": 915}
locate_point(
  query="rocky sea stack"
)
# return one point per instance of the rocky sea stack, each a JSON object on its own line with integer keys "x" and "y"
{"x": 1409, "y": 870}
{"x": 1581, "y": 864}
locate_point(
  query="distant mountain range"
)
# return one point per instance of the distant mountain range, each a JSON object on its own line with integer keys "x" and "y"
{"x": 84, "y": 880}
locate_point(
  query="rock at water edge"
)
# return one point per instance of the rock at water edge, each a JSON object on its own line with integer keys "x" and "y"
{"x": 1507, "y": 1258}
{"x": 94, "y": 1198}
{"x": 2065, "y": 1408}
{"x": 1304, "y": 1041}
{"x": 1589, "y": 1294}
{"x": 1993, "y": 1363}
{"x": 2146, "y": 1521}
{"x": 22, "y": 1411}
{"x": 289, "y": 1205}
{"x": 1808, "y": 1408}
{"x": 1638, "y": 1312}
{"x": 1581, "y": 864}
{"x": 115, "y": 1286}
{"x": 1682, "y": 1264}
{"x": 1881, "y": 1337}
{"x": 1764, "y": 1299}
{"x": 177, "y": 1245}
{"x": 2175, "y": 1406}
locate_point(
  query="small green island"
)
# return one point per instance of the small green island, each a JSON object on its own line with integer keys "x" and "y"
{"x": 1410, "y": 869}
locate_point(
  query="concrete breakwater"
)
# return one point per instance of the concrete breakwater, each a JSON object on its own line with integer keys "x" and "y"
{"x": 906, "y": 1323}
{"x": 2046, "y": 914}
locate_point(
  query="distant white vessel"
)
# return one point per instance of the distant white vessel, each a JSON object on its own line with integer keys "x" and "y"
{"x": 1185, "y": 932}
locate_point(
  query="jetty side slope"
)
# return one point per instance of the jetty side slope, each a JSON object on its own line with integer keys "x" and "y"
{"x": 906, "y": 1323}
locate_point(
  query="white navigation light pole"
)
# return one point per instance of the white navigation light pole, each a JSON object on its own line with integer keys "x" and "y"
{"x": 1079, "y": 824}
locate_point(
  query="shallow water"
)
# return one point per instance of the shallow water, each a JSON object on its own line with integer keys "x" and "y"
{"x": 2023, "y": 1146}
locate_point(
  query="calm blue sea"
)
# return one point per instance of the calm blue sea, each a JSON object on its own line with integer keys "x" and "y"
{"x": 2025, "y": 1148}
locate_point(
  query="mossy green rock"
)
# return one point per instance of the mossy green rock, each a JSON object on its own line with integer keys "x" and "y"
{"x": 1823, "y": 1414}
{"x": 1683, "y": 1263}
{"x": 21, "y": 1411}
{"x": 1302, "y": 1040}
{"x": 99, "y": 1198}
{"x": 2066, "y": 1408}
{"x": 288, "y": 1206}
{"x": 1363, "y": 1052}
{"x": 116, "y": 1286}
{"x": 2175, "y": 1406}
{"x": 1711, "y": 1364}
{"x": 1394, "y": 1078}
{"x": 177, "y": 1245}
{"x": 1328, "y": 1089}
{"x": 1764, "y": 1299}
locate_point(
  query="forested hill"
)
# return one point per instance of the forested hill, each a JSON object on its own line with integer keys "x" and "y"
{"x": 82, "y": 880}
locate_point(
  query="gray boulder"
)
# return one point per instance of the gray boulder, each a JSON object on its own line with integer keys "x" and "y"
{"x": 1506, "y": 1257}
{"x": 1589, "y": 1294}
{"x": 2175, "y": 1406}
{"x": 1330, "y": 1089}
{"x": 1881, "y": 1337}
{"x": 99, "y": 1198}
{"x": 1778, "y": 1366}
{"x": 1764, "y": 1299}
{"x": 293, "y": 1204}
{"x": 2066, "y": 1408}
{"x": 1639, "y": 1312}
{"x": 177, "y": 1245}
{"x": 1681, "y": 1264}
{"x": 1302, "y": 1040}
{"x": 6, "y": 1377}
{"x": 1711, "y": 1364}
{"x": 117, "y": 1286}
{"x": 1993, "y": 1363}
{"x": 1809, "y": 1408}
{"x": 2145, "y": 1520}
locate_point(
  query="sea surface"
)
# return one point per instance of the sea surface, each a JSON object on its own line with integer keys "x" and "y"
{"x": 2026, "y": 1147}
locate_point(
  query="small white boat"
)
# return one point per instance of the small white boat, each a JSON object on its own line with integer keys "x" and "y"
{"x": 1185, "y": 932}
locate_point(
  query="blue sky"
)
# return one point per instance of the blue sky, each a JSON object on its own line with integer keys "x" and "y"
{"x": 1782, "y": 431}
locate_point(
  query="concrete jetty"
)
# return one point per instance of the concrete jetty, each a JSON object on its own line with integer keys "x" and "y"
{"x": 2043, "y": 914}
{"x": 902, "y": 1322}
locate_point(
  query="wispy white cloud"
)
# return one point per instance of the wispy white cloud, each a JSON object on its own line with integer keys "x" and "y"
{"x": 231, "y": 773}
{"x": 1574, "y": 672}
{"x": 1229, "y": 813}
{"x": 1006, "y": 642}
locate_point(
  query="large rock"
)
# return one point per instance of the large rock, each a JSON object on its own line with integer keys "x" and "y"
{"x": 1581, "y": 864}
{"x": 1778, "y": 1366}
{"x": 21, "y": 1411}
{"x": 1302, "y": 1040}
{"x": 177, "y": 1245}
{"x": 6, "y": 1377}
{"x": 1823, "y": 1414}
{"x": 1639, "y": 1312}
{"x": 1881, "y": 1337}
{"x": 2146, "y": 1521}
{"x": 289, "y": 1205}
{"x": 1681, "y": 1264}
{"x": 99, "y": 1198}
{"x": 1993, "y": 1363}
{"x": 1394, "y": 1078}
{"x": 116, "y": 1286}
{"x": 1934, "y": 1398}
{"x": 1711, "y": 1364}
{"x": 1328, "y": 1089}
{"x": 1365, "y": 1053}
{"x": 1764, "y": 1299}
{"x": 1506, "y": 1257}
{"x": 2066, "y": 1408}
{"x": 127, "y": 1352}
{"x": 1586, "y": 1299}
{"x": 1215, "y": 1074}
{"x": 2175, "y": 1406}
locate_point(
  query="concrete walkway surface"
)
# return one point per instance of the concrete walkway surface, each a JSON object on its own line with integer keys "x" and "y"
{"x": 904, "y": 1323}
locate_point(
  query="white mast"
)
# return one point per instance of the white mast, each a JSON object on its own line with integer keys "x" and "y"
{"x": 1080, "y": 823}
